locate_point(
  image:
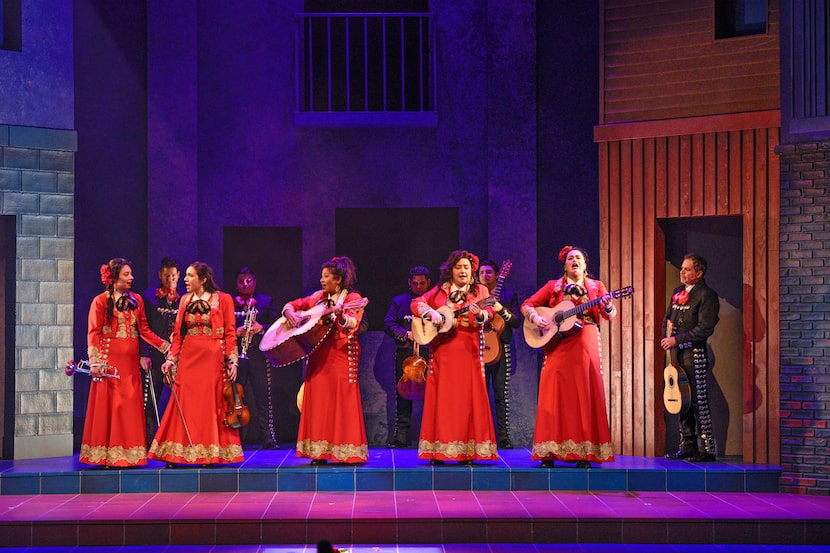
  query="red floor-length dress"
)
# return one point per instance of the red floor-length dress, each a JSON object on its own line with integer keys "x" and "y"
{"x": 198, "y": 386}
{"x": 114, "y": 428}
{"x": 331, "y": 420}
{"x": 571, "y": 420}
{"x": 457, "y": 424}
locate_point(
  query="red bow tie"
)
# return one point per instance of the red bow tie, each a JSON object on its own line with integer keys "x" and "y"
{"x": 680, "y": 298}
{"x": 245, "y": 301}
{"x": 172, "y": 294}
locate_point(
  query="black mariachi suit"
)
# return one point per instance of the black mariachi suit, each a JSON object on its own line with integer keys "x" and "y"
{"x": 161, "y": 315}
{"x": 498, "y": 374}
{"x": 254, "y": 373}
{"x": 396, "y": 323}
{"x": 693, "y": 323}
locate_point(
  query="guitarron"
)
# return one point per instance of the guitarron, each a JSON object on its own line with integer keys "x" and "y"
{"x": 493, "y": 329}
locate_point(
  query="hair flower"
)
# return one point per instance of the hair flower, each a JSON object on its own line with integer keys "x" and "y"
{"x": 563, "y": 253}
{"x": 106, "y": 274}
{"x": 680, "y": 298}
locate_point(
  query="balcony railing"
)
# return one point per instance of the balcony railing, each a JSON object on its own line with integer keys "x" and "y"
{"x": 365, "y": 69}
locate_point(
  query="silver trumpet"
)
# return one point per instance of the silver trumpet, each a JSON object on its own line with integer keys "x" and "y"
{"x": 83, "y": 367}
{"x": 250, "y": 317}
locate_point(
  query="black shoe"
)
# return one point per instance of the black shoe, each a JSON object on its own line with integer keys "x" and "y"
{"x": 318, "y": 462}
{"x": 270, "y": 444}
{"x": 703, "y": 457}
{"x": 396, "y": 445}
{"x": 547, "y": 464}
{"x": 505, "y": 444}
{"x": 583, "y": 464}
{"x": 466, "y": 463}
{"x": 683, "y": 453}
{"x": 170, "y": 465}
{"x": 436, "y": 462}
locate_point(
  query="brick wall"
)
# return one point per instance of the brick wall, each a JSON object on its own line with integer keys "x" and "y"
{"x": 805, "y": 317}
{"x": 37, "y": 183}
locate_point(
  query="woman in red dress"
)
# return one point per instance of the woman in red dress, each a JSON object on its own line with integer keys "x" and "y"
{"x": 457, "y": 424}
{"x": 571, "y": 422}
{"x": 114, "y": 430}
{"x": 331, "y": 420}
{"x": 193, "y": 429}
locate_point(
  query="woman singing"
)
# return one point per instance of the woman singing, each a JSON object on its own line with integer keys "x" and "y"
{"x": 331, "y": 420}
{"x": 571, "y": 422}
{"x": 193, "y": 429}
{"x": 114, "y": 430}
{"x": 457, "y": 424}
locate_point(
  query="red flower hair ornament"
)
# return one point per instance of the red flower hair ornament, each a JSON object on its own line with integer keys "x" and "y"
{"x": 563, "y": 253}
{"x": 473, "y": 261}
{"x": 680, "y": 298}
{"x": 106, "y": 274}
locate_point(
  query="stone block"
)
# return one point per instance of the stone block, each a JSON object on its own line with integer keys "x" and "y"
{"x": 28, "y": 246}
{"x": 57, "y": 248}
{"x": 19, "y": 202}
{"x": 36, "y": 313}
{"x": 64, "y": 400}
{"x": 9, "y": 179}
{"x": 53, "y": 378}
{"x": 66, "y": 183}
{"x": 25, "y": 425}
{"x": 41, "y": 447}
{"x": 20, "y": 158}
{"x": 26, "y": 380}
{"x": 66, "y": 270}
{"x": 37, "y": 402}
{"x": 25, "y": 335}
{"x": 38, "y": 225}
{"x": 59, "y": 423}
{"x": 57, "y": 204}
{"x": 27, "y": 292}
{"x": 52, "y": 160}
{"x": 38, "y": 181}
{"x": 54, "y": 336}
{"x": 38, "y": 269}
{"x": 37, "y": 358}
{"x": 43, "y": 138}
{"x": 66, "y": 227}
{"x": 56, "y": 292}
{"x": 65, "y": 314}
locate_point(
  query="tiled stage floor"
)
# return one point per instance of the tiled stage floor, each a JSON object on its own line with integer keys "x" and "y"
{"x": 510, "y": 505}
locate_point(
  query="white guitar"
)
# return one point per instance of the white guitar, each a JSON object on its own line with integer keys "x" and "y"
{"x": 424, "y": 331}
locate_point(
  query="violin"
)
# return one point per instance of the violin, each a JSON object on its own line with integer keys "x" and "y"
{"x": 237, "y": 414}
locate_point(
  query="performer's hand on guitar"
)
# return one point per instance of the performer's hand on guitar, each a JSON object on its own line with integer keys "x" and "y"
{"x": 291, "y": 318}
{"x": 668, "y": 343}
{"x": 539, "y": 321}
{"x": 477, "y": 311}
{"x": 435, "y": 317}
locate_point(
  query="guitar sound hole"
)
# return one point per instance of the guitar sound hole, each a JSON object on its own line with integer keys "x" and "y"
{"x": 671, "y": 382}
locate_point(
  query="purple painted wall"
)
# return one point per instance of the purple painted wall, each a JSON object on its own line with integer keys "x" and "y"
{"x": 36, "y": 84}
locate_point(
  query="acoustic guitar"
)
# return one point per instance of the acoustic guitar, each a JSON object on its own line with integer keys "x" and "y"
{"x": 493, "y": 329}
{"x": 424, "y": 331}
{"x": 563, "y": 320}
{"x": 284, "y": 345}
{"x": 677, "y": 394}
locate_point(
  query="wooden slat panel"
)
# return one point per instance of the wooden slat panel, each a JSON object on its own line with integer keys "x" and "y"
{"x": 697, "y": 192}
{"x": 616, "y": 360}
{"x": 684, "y": 176}
{"x": 623, "y": 329}
{"x": 660, "y": 60}
{"x": 750, "y": 423}
{"x": 710, "y": 174}
{"x": 735, "y": 183}
{"x": 773, "y": 307}
{"x": 759, "y": 177}
{"x": 722, "y": 161}
{"x": 654, "y": 427}
{"x": 661, "y": 178}
{"x": 634, "y": 335}
{"x": 673, "y": 176}
{"x": 605, "y": 263}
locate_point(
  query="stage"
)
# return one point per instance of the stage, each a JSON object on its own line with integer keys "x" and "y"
{"x": 276, "y": 498}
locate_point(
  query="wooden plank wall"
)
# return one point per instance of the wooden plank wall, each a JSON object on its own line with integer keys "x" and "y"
{"x": 676, "y": 169}
{"x": 660, "y": 60}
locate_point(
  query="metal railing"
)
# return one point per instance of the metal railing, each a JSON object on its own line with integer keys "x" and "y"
{"x": 365, "y": 67}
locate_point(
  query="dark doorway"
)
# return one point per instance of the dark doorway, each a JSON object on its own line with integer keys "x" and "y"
{"x": 8, "y": 255}
{"x": 720, "y": 241}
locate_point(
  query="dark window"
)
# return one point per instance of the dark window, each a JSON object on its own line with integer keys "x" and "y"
{"x": 734, "y": 18}
{"x": 10, "y": 25}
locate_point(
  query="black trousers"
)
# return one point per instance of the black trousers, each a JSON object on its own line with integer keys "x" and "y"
{"x": 403, "y": 406}
{"x": 498, "y": 384}
{"x": 253, "y": 375}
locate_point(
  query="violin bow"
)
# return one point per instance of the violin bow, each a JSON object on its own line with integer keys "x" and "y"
{"x": 179, "y": 407}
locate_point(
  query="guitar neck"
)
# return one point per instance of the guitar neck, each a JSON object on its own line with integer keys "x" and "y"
{"x": 577, "y": 309}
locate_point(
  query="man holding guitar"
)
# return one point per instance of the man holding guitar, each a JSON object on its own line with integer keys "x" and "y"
{"x": 498, "y": 361}
{"x": 571, "y": 421}
{"x": 692, "y": 316}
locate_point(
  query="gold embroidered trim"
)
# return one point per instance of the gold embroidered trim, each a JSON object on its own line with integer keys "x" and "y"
{"x": 196, "y": 452}
{"x": 583, "y": 450}
{"x": 103, "y": 455}
{"x": 344, "y": 453}
{"x": 451, "y": 450}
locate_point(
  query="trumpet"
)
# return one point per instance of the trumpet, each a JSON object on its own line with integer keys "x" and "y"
{"x": 250, "y": 317}
{"x": 83, "y": 367}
